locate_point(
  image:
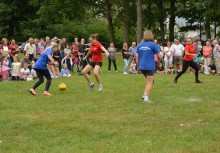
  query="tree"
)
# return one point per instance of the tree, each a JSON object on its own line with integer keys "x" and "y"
{"x": 126, "y": 20}
{"x": 160, "y": 6}
{"x": 172, "y": 19}
{"x": 139, "y": 21}
{"x": 109, "y": 17}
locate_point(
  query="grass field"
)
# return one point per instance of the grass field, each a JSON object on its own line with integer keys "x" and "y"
{"x": 184, "y": 117}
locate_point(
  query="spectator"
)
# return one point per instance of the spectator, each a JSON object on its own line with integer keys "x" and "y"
{"x": 47, "y": 42}
{"x": 30, "y": 49}
{"x": 168, "y": 55}
{"x": 68, "y": 61}
{"x": 216, "y": 53}
{"x": 83, "y": 50}
{"x": 178, "y": 50}
{"x": 64, "y": 71}
{"x": 160, "y": 69}
{"x": 75, "y": 56}
{"x": 112, "y": 57}
{"x": 67, "y": 50}
{"x": 5, "y": 50}
{"x": 37, "y": 47}
{"x": 126, "y": 56}
{"x": 14, "y": 49}
{"x": 25, "y": 73}
{"x": 212, "y": 68}
{"x": 26, "y": 60}
{"x": 62, "y": 47}
{"x": 133, "y": 67}
{"x": 16, "y": 67}
{"x": 170, "y": 69}
{"x": 4, "y": 67}
{"x": 132, "y": 50}
{"x": 207, "y": 53}
{"x": 42, "y": 45}
{"x": 57, "y": 58}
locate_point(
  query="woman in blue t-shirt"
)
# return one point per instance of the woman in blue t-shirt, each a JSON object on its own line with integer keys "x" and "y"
{"x": 42, "y": 71}
{"x": 145, "y": 60}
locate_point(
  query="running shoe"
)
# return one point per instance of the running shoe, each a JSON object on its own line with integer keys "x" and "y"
{"x": 33, "y": 92}
{"x": 91, "y": 86}
{"x": 46, "y": 93}
{"x": 100, "y": 88}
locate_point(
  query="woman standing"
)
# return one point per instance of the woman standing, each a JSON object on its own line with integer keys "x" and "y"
{"x": 216, "y": 53}
{"x": 168, "y": 56}
{"x": 145, "y": 60}
{"x": 126, "y": 55}
{"x": 207, "y": 52}
{"x": 96, "y": 49}
{"x": 188, "y": 60}
{"x": 112, "y": 57}
{"x": 42, "y": 71}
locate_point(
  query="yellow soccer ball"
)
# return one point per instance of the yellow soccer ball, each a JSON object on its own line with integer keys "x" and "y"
{"x": 62, "y": 86}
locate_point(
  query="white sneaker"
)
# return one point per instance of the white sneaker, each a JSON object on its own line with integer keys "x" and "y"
{"x": 91, "y": 86}
{"x": 100, "y": 88}
{"x": 125, "y": 73}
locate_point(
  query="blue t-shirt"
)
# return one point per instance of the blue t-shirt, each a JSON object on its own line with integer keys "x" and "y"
{"x": 43, "y": 60}
{"x": 146, "y": 52}
{"x": 64, "y": 71}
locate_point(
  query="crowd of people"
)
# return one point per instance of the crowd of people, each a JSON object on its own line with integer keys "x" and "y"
{"x": 71, "y": 58}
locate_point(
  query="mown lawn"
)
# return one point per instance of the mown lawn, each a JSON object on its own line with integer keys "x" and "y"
{"x": 184, "y": 117}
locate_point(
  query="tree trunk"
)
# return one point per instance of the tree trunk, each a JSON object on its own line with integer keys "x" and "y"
{"x": 215, "y": 29}
{"x": 139, "y": 21}
{"x": 172, "y": 19}
{"x": 150, "y": 15}
{"x": 11, "y": 27}
{"x": 160, "y": 6}
{"x": 110, "y": 22}
{"x": 126, "y": 21}
{"x": 207, "y": 28}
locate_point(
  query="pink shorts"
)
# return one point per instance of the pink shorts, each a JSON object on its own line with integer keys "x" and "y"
{"x": 5, "y": 75}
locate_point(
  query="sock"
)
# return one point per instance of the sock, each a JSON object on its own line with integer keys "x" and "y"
{"x": 145, "y": 98}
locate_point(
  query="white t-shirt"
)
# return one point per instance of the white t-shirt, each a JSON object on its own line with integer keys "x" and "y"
{"x": 25, "y": 72}
{"x": 15, "y": 70}
{"x": 178, "y": 49}
{"x": 168, "y": 51}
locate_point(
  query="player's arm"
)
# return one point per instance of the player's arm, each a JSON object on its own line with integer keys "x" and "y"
{"x": 52, "y": 62}
{"x": 106, "y": 52}
{"x": 87, "y": 55}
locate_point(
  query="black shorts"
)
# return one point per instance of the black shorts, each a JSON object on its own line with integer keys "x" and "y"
{"x": 93, "y": 64}
{"x": 147, "y": 72}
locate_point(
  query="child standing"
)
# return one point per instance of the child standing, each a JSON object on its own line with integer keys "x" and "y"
{"x": 5, "y": 69}
{"x": 16, "y": 67}
{"x": 68, "y": 61}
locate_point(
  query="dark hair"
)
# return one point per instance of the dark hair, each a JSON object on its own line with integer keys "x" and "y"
{"x": 94, "y": 36}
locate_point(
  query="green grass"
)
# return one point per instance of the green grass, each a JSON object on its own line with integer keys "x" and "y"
{"x": 184, "y": 117}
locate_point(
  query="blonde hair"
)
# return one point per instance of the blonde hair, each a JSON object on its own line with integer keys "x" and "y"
{"x": 4, "y": 39}
{"x": 53, "y": 44}
{"x": 148, "y": 36}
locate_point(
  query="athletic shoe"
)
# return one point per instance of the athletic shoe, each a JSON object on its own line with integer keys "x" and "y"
{"x": 125, "y": 73}
{"x": 100, "y": 88}
{"x": 91, "y": 86}
{"x": 198, "y": 81}
{"x": 148, "y": 101}
{"x": 33, "y": 92}
{"x": 175, "y": 81}
{"x": 46, "y": 93}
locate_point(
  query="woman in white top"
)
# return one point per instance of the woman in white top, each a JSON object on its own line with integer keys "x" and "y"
{"x": 168, "y": 55}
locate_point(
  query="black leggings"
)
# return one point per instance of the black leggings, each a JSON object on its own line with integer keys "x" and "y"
{"x": 192, "y": 64}
{"x": 110, "y": 63}
{"x": 41, "y": 74}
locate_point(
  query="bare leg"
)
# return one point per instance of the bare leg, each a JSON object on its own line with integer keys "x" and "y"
{"x": 85, "y": 73}
{"x": 149, "y": 85}
{"x": 96, "y": 73}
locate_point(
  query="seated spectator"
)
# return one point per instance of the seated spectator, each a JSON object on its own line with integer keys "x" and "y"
{"x": 212, "y": 68}
{"x": 64, "y": 71}
{"x": 25, "y": 73}
{"x": 68, "y": 61}
{"x": 4, "y": 68}
{"x": 160, "y": 69}
{"x": 34, "y": 60}
{"x": 54, "y": 71}
{"x": 133, "y": 67}
{"x": 33, "y": 74}
{"x": 170, "y": 69}
{"x": 16, "y": 67}
{"x": 26, "y": 60}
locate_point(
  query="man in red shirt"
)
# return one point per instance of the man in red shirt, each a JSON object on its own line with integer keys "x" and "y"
{"x": 96, "y": 49}
{"x": 188, "y": 60}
